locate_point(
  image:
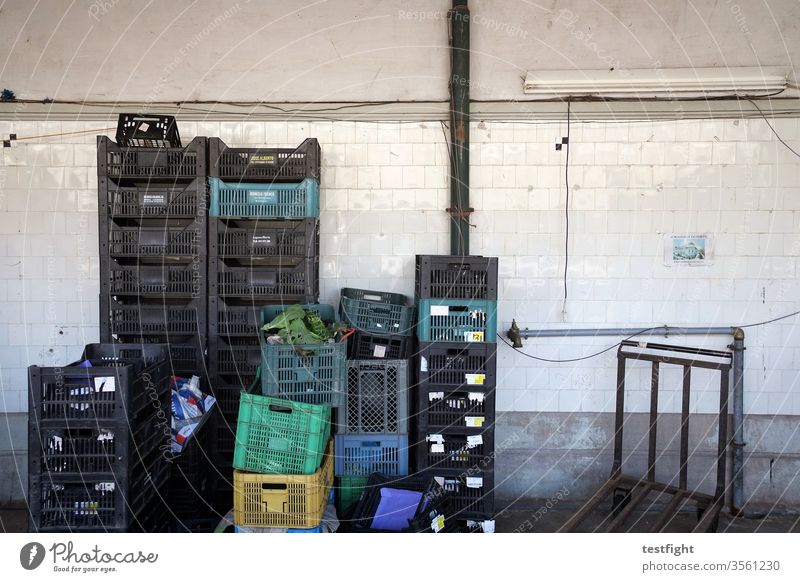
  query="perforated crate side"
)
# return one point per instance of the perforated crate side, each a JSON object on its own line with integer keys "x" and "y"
{"x": 266, "y": 283}
{"x": 234, "y": 317}
{"x": 144, "y": 165}
{"x": 366, "y": 346}
{"x": 457, "y": 320}
{"x": 456, "y": 277}
{"x": 315, "y": 373}
{"x": 164, "y": 201}
{"x": 279, "y": 241}
{"x": 264, "y": 164}
{"x": 147, "y": 317}
{"x": 277, "y": 436}
{"x": 442, "y": 407}
{"x": 361, "y": 455}
{"x": 153, "y": 280}
{"x": 367, "y": 312}
{"x": 459, "y": 449}
{"x": 296, "y": 501}
{"x": 472, "y": 494}
{"x": 265, "y": 200}
{"x": 377, "y": 397}
{"x": 457, "y": 364}
{"x": 162, "y": 241}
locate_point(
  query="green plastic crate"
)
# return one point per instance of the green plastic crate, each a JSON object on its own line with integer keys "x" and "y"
{"x": 280, "y": 436}
{"x": 348, "y": 490}
{"x": 457, "y": 320}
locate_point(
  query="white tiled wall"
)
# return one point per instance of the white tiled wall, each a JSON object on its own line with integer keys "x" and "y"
{"x": 385, "y": 188}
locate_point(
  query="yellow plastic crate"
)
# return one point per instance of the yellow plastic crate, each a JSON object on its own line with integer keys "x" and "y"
{"x": 283, "y": 500}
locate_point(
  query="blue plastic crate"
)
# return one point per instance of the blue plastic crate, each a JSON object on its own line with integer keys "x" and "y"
{"x": 253, "y": 200}
{"x": 358, "y": 454}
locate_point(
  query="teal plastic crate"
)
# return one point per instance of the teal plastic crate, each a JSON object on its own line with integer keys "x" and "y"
{"x": 312, "y": 373}
{"x": 457, "y": 320}
{"x": 278, "y": 436}
{"x": 376, "y": 312}
{"x": 253, "y": 200}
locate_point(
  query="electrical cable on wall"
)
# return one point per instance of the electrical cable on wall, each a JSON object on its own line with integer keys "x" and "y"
{"x": 566, "y": 214}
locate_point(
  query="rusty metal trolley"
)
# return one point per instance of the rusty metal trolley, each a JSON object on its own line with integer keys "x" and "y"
{"x": 629, "y": 492}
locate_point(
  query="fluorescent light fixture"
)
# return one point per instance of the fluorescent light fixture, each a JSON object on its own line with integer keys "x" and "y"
{"x": 657, "y": 83}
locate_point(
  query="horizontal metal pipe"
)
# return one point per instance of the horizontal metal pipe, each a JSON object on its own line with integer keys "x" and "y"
{"x": 625, "y": 331}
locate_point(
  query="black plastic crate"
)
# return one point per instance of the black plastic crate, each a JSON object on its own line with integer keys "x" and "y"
{"x": 434, "y": 512}
{"x": 228, "y": 317}
{"x": 191, "y": 473}
{"x": 144, "y": 165}
{"x": 378, "y": 396}
{"x": 443, "y": 407}
{"x": 122, "y": 384}
{"x": 184, "y": 280}
{"x": 72, "y": 450}
{"x": 98, "y": 502}
{"x": 366, "y": 346}
{"x": 459, "y": 449}
{"x": 457, "y": 364}
{"x": 137, "y": 316}
{"x": 185, "y": 240}
{"x": 147, "y": 131}
{"x": 456, "y": 277}
{"x": 273, "y": 241}
{"x": 153, "y": 201}
{"x": 186, "y": 355}
{"x": 264, "y": 164}
{"x": 471, "y": 494}
{"x": 290, "y": 284}
{"x": 227, "y": 394}
{"x": 234, "y": 358}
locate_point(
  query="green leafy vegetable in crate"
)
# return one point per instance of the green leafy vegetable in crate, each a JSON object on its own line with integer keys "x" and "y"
{"x": 298, "y": 326}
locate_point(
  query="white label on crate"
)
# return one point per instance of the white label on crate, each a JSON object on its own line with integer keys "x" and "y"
{"x": 262, "y": 197}
{"x": 435, "y": 438}
{"x": 105, "y": 435}
{"x": 104, "y": 486}
{"x": 475, "y": 379}
{"x": 477, "y": 396}
{"x": 154, "y": 200}
{"x": 439, "y": 480}
{"x": 435, "y": 396}
{"x": 262, "y": 239}
{"x": 105, "y": 384}
{"x": 379, "y": 352}
{"x": 58, "y": 443}
{"x": 488, "y": 526}
{"x": 144, "y": 126}
{"x": 474, "y": 482}
{"x": 473, "y": 336}
{"x": 423, "y": 364}
{"x": 371, "y": 297}
{"x": 440, "y": 310}
{"x": 474, "y": 440}
{"x": 437, "y": 523}
{"x": 474, "y": 421}
{"x": 437, "y": 448}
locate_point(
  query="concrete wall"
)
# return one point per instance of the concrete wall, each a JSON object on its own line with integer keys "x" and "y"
{"x": 383, "y": 195}
{"x": 364, "y": 50}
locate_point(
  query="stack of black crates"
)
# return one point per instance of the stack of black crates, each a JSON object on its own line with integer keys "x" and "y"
{"x": 152, "y": 229}
{"x": 98, "y": 436}
{"x": 263, "y": 250}
{"x": 456, "y": 377}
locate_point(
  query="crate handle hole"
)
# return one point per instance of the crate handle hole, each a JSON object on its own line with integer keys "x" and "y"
{"x": 370, "y": 444}
{"x": 281, "y": 409}
{"x": 274, "y": 486}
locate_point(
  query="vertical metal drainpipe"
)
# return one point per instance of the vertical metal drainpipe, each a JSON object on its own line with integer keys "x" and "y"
{"x": 737, "y": 492}
{"x": 460, "y": 211}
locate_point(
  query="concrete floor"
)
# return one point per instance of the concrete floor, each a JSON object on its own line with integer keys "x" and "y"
{"x": 532, "y": 519}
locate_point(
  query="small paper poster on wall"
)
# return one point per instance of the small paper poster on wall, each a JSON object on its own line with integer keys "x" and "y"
{"x": 688, "y": 249}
